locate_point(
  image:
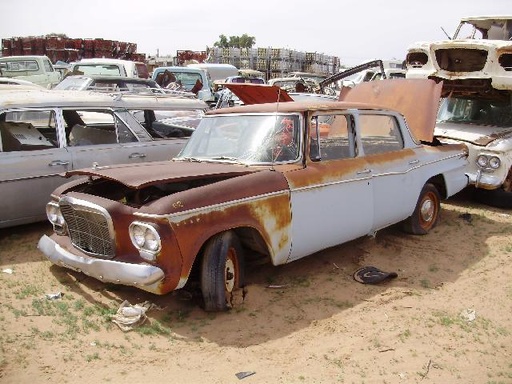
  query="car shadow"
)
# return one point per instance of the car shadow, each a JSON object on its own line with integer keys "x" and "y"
{"x": 280, "y": 300}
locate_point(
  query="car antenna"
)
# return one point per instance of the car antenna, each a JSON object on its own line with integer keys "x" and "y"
{"x": 447, "y": 35}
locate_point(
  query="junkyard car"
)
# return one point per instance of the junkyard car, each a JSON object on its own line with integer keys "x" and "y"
{"x": 475, "y": 67}
{"x": 276, "y": 181}
{"x": 36, "y": 69}
{"x": 102, "y": 83}
{"x": 44, "y": 133}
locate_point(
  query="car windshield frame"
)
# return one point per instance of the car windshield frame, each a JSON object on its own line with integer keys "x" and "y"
{"x": 251, "y": 139}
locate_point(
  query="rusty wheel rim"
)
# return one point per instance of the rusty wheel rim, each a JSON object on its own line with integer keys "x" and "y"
{"x": 428, "y": 210}
{"x": 230, "y": 271}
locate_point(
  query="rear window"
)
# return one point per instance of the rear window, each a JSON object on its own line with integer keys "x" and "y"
{"x": 142, "y": 70}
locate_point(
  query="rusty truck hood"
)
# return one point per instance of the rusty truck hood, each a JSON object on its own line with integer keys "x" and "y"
{"x": 416, "y": 99}
{"x": 141, "y": 175}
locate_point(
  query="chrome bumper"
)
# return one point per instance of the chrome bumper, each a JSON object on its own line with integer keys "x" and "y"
{"x": 145, "y": 277}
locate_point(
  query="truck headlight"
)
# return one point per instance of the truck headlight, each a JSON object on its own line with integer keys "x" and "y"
{"x": 145, "y": 237}
{"x": 489, "y": 162}
{"x": 55, "y": 217}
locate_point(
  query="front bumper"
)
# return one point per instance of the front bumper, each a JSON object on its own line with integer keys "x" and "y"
{"x": 143, "y": 276}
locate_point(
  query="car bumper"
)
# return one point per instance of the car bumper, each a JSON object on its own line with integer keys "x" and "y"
{"x": 143, "y": 276}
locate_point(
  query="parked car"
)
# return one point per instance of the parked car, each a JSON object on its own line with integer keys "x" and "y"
{"x": 36, "y": 69}
{"x": 475, "y": 68}
{"x": 274, "y": 181}
{"x": 102, "y": 83}
{"x": 186, "y": 78}
{"x": 44, "y": 133}
{"x": 110, "y": 67}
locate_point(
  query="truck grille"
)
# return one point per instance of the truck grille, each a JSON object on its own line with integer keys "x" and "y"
{"x": 461, "y": 59}
{"x": 89, "y": 229}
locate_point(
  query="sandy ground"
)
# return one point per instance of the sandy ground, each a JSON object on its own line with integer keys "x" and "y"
{"x": 446, "y": 318}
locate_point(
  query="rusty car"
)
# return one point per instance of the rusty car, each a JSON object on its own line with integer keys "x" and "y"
{"x": 271, "y": 182}
{"x": 475, "y": 68}
{"x": 44, "y": 133}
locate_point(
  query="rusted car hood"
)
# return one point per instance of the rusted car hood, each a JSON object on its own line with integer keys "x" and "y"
{"x": 258, "y": 93}
{"x": 141, "y": 175}
{"x": 481, "y": 135}
{"x": 416, "y": 99}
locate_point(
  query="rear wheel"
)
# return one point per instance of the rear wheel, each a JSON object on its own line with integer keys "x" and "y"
{"x": 426, "y": 213}
{"x": 221, "y": 271}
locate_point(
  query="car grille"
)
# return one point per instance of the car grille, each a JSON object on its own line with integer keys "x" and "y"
{"x": 461, "y": 60}
{"x": 88, "y": 229}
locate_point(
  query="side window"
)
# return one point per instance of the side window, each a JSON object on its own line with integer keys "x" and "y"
{"x": 380, "y": 134}
{"x": 28, "y": 130}
{"x": 334, "y": 139}
{"x": 47, "y": 66}
{"x": 95, "y": 127}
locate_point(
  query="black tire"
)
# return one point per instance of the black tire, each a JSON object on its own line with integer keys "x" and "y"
{"x": 222, "y": 271}
{"x": 426, "y": 213}
{"x": 498, "y": 198}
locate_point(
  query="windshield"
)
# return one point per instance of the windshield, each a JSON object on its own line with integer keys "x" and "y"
{"x": 473, "y": 111}
{"x": 98, "y": 69}
{"x": 248, "y": 139}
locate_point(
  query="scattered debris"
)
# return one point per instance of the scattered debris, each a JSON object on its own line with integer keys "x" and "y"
{"x": 468, "y": 315}
{"x": 54, "y": 296}
{"x": 243, "y": 375}
{"x": 130, "y": 316}
{"x": 372, "y": 275}
{"x": 9, "y": 271}
{"x": 335, "y": 266}
{"x": 466, "y": 217}
{"x": 276, "y": 286}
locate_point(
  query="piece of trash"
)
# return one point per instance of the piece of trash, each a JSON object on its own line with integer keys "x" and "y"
{"x": 468, "y": 314}
{"x": 276, "y": 286}
{"x": 54, "y": 296}
{"x": 466, "y": 217}
{"x": 243, "y": 375}
{"x": 372, "y": 275}
{"x": 8, "y": 270}
{"x": 130, "y": 316}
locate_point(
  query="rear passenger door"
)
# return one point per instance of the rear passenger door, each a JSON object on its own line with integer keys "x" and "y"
{"x": 395, "y": 170}
{"x": 98, "y": 137}
{"x": 31, "y": 161}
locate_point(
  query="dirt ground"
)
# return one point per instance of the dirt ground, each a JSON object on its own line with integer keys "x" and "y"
{"x": 446, "y": 318}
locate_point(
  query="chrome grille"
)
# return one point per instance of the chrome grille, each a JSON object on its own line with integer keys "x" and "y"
{"x": 88, "y": 229}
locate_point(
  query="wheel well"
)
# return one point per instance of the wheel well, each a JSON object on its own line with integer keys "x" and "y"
{"x": 254, "y": 247}
{"x": 439, "y": 182}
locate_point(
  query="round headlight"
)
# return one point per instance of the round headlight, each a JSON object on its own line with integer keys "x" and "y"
{"x": 494, "y": 162}
{"x": 482, "y": 161}
{"x": 53, "y": 214}
{"x": 138, "y": 233}
{"x": 145, "y": 237}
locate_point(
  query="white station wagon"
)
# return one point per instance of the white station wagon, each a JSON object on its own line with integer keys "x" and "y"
{"x": 44, "y": 133}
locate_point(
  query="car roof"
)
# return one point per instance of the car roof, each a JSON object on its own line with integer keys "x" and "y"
{"x": 39, "y": 98}
{"x": 112, "y": 79}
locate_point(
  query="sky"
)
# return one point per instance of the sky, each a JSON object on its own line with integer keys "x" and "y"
{"x": 353, "y": 30}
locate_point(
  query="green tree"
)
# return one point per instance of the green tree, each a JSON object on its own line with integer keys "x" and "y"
{"x": 244, "y": 41}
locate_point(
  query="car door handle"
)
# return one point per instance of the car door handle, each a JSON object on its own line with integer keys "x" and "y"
{"x": 58, "y": 162}
{"x": 414, "y": 162}
{"x": 137, "y": 155}
{"x": 363, "y": 172}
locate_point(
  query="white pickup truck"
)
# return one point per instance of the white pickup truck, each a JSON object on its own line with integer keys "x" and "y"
{"x": 36, "y": 69}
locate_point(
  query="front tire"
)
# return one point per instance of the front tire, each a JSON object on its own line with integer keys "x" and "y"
{"x": 222, "y": 271}
{"x": 426, "y": 213}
